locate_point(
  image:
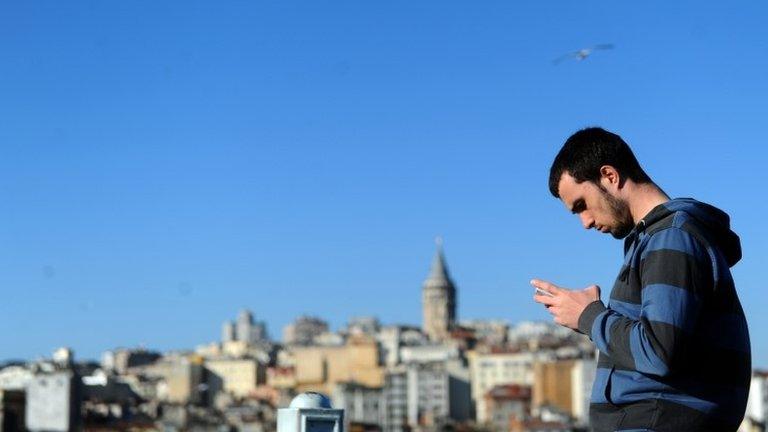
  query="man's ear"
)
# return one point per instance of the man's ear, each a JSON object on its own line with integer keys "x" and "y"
{"x": 610, "y": 178}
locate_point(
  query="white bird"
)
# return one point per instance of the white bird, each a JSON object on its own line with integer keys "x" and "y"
{"x": 583, "y": 53}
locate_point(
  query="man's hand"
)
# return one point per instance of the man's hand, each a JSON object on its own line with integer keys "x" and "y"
{"x": 565, "y": 305}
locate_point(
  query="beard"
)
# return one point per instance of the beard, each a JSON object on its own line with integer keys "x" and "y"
{"x": 623, "y": 222}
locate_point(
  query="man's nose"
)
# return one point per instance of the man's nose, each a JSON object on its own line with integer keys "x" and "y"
{"x": 587, "y": 221}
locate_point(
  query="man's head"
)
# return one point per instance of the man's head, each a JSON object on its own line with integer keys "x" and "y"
{"x": 589, "y": 175}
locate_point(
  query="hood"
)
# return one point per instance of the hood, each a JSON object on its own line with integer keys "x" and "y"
{"x": 715, "y": 222}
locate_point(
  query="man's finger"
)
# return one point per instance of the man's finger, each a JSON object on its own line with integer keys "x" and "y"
{"x": 544, "y": 299}
{"x": 546, "y": 286}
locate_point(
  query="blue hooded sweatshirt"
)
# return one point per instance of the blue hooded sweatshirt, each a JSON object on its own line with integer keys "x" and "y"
{"x": 673, "y": 339}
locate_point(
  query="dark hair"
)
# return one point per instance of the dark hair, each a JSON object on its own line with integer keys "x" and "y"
{"x": 589, "y": 149}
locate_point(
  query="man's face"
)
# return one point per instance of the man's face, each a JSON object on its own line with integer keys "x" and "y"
{"x": 596, "y": 207}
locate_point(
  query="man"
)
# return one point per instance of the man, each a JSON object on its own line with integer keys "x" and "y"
{"x": 673, "y": 340}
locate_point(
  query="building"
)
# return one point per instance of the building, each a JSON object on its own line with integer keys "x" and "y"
{"x": 460, "y": 391}
{"x": 552, "y": 384}
{"x": 121, "y": 359}
{"x": 364, "y": 325}
{"x": 180, "y": 379}
{"x": 491, "y": 369}
{"x": 505, "y": 403}
{"x": 565, "y": 385}
{"x": 438, "y": 299}
{"x": 361, "y": 404}
{"x": 304, "y": 330}
{"x": 395, "y": 399}
{"x": 109, "y": 402}
{"x": 392, "y": 338}
{"x": 429, "y": 353}
{"x": 425, "y": 395}
{"x": 15, "y": 378}
{"x": 329, "y": 339}
{"x": 146, "y": 387}
{"x": 490, "y": 332}
{"x": 228, "y": 332}
{"x": 582, "y": 378}
{"x": 236, "y": 349}
{"x": 438, "y": 393}
{"x": 538, "y": 335}
{"x": 249, "y": 331}
{"x": 320, "y": 368}
{"x": 281, "y": 377}
{"x": 262, "y": 351}
{"x": 428, "y": 394}
{"x": 53, "y": 402}
{"x": 526, "y": 330}
{"x": 238, "y": 377}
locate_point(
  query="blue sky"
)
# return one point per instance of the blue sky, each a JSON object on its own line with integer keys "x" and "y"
{"x": 166, "y": 164}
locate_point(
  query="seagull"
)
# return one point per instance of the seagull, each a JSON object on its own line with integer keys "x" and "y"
{"x": 583, "y": 53}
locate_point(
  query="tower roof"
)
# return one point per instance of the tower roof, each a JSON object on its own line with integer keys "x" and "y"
{"x": 438, "y": 274}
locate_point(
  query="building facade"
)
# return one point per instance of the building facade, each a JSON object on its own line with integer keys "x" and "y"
{"x": 582, "y": 378}
{"x": 304, "y": 330}
{"x": 320, "y": 368}
{"x": 395, "y": 399}
{"x": 564, "y": 384}
{"x": 488, "y": 370}
{"x": 361, "y": 404}
{"x": 505, "y": 403}
{"x": 53, "y": 402}
{"x": 249, "y": 331}
{"x": 238, "y": 377}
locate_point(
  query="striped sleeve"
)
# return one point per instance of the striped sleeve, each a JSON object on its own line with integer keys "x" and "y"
{"x": 675, "y": 271}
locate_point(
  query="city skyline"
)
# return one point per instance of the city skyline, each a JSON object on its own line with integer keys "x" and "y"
{"x": 233, "y": 329}
{"x": 168, "y": 164}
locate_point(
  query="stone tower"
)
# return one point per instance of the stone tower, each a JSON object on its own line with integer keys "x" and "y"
{"x": 438, "y": 299}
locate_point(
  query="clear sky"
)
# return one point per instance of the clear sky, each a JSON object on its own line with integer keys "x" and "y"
{"x": 166, "y": 164}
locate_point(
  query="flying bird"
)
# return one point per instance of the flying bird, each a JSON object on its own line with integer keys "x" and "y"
{"x": 582, "y": 53}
